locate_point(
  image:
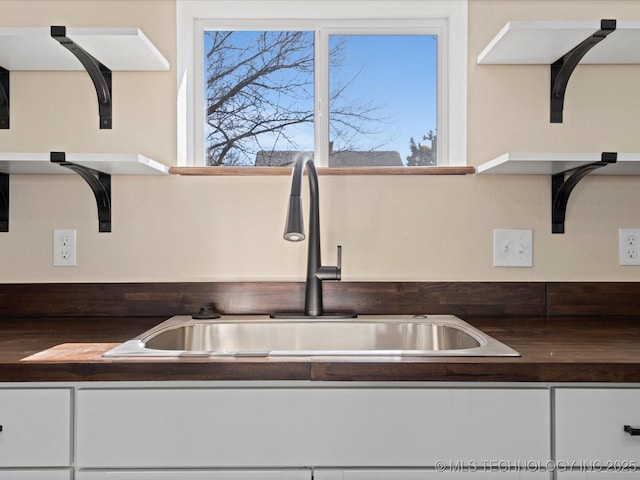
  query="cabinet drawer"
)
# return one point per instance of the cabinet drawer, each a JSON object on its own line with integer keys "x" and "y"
{"x": 294, "y": 427}
{"x": 35, "y": 474}
{"x": 597, "y": 476}
{"x": 590, "y": 425}
{"x": 201, "y": 475}
{"x": 391, "y": 474}
{"x": 36, "y": 428}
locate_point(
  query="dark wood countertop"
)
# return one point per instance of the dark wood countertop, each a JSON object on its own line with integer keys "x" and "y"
{"x": 553, "y": 349}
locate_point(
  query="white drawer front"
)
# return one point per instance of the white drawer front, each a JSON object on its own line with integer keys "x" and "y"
{"x": 589, "y": 426}
{"x": 598, "y": 475}
{"x": 202, "y": 475}
{"x": 36, "y": 428}
{"x": 426, "y": 475}
{"x": 295, "y": 427}
{"x": 35, "y": 474}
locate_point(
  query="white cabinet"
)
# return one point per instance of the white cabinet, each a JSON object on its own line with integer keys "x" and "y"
{"x": 36, "y": 430}
{"x": 590, "y": 426}
{"x": 35, "y": 474}
{"x": 292, "y": 427}
{"x": 590, "y": 433}
{"x": 300, "y": 474}
{"x": 597, "y": 475}
{"x": 362, "y": 474}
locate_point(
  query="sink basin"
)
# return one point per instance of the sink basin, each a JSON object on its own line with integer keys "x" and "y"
{"x": 366, "y": 335}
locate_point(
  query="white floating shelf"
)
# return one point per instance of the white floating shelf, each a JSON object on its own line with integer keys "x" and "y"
{"x": 544, "y": 42}
{"x": 119, "y": 49}
{"x": 111, "y": 163}
{"x": 564, "y": 45}
{"x": 555, "y": 163}
{"x": 95, "y": 169}
{"x": 99, "y": 51}
{"x": 565, "y": 170}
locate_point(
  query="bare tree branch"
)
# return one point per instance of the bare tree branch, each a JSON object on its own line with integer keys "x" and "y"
{"x": 259, "y": 86}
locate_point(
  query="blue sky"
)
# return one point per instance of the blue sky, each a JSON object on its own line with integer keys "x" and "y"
{"x": 397, "y": 73}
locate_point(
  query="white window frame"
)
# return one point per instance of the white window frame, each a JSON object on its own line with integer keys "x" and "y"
{"x": 446, "y": 18}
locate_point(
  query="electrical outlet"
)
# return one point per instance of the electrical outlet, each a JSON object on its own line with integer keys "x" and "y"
{"x": 64, "y": 248}
{"x": 629, "y": 246}
{"x": 513, "y": 248}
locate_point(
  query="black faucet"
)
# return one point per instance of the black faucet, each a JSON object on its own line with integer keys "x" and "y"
{"x": 294, "y": 232}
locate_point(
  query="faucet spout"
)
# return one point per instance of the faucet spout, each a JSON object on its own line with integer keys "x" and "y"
{"x": 294, "y": 232}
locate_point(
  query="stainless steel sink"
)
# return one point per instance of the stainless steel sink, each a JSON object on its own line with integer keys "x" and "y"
{"x": 366, "y": 335}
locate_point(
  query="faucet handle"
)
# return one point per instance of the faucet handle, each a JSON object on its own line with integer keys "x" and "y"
{"x": 331, "y": 273}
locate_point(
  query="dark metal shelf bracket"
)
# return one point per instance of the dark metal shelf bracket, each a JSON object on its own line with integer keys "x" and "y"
{"x": 562, "y": 68}
{"x": 4, "y": 99}
{"x": 4, "y": 202}
{"x": 100, "y": 184}
{"x": 561, "y": 188}
{"x": 100, "y": 75}
{"x": 634, "y": 431}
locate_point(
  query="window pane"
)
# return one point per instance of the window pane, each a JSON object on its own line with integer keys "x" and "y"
{"x": 258, "y": 96}
{"x": 383, "y": 92}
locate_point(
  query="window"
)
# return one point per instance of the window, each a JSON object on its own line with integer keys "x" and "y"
{"x": 355, "y": 92}
{"x": 383, "y": 91}
{"x": 258, "y": 96}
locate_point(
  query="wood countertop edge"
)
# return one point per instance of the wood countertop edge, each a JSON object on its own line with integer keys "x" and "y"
{"x": 323, "y": 371}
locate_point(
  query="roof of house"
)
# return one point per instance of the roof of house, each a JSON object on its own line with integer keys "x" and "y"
{"x": 280, "y": 158}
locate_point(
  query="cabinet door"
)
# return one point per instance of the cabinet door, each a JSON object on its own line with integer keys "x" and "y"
{"x": 598, "y": 475}
{"x": 358, "y": 474}
{"x": 590, "y": 426}
{"x": 36, "y": 427}
{"x": 297, "y": 427}
{"x": 35, "y": 474}
{"x": 302, "y": 474}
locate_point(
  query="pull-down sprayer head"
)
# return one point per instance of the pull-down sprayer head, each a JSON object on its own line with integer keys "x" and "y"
{"x": 294, "y": 225}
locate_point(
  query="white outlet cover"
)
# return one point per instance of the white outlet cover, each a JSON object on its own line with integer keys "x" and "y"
{"x": 512, "y": 248}
{"x": 629, "y": 246}
{"x": 64, "y": 247}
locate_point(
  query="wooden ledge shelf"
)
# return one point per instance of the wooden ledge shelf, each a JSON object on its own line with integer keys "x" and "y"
{"x": 269, "y": 171}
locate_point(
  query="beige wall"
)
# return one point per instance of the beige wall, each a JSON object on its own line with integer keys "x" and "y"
{"x": 394, "y": 228}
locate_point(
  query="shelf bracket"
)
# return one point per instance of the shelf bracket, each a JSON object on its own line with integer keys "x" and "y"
{"x": 562, "y": 68}
{"x": 4, "y": 99}
{"x": 100, "y": 75}
{"x": 100, "y": 184}
{"x": 561, "y": 188}
{"x": 4, "y": 202}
